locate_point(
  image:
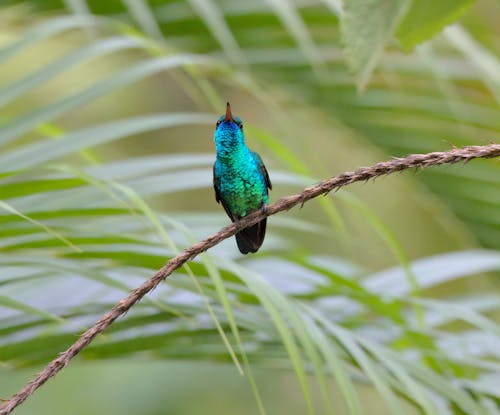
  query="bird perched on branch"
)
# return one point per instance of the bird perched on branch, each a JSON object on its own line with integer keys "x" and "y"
{"x": 241, "y": 181}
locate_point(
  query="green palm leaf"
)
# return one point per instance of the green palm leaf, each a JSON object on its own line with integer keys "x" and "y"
{"x": 324, "y": 305}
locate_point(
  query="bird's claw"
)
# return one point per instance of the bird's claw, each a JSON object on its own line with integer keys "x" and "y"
{"x": 302, "y": 200}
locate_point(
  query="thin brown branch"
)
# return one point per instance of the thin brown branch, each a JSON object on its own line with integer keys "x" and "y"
{"x": 362, "y": 174}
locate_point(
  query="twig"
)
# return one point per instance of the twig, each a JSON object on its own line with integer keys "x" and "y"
{"x": 362, "y": 174}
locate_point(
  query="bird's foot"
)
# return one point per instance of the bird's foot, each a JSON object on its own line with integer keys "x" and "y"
{"x": 264, "y": 209}
{"x": 237, "y": 222}
{"x": 302, "y": 200}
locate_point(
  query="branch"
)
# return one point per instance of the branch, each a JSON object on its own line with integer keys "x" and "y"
{"x": 362, "y": 174}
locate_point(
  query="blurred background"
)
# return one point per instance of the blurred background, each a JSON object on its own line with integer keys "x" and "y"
{"x": 381, "y": 297}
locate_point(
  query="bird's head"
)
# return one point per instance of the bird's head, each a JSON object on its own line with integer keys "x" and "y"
{"x": 228, "y": 122}
{"x": 228, "y": 134}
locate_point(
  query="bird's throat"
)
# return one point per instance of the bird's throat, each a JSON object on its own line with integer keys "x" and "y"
{"x": 230, "y": 146}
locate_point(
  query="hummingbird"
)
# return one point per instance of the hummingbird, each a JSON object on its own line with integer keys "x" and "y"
{"x": 241, "y": 181}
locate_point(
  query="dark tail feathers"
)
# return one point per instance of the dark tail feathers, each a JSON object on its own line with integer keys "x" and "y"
{"x": 250, "y": 239}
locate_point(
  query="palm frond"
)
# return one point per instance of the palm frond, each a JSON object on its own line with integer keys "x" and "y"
{"x": 320, "y": 315}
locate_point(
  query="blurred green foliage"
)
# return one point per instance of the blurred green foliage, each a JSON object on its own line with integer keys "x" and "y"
{"x": 384, "y": 289}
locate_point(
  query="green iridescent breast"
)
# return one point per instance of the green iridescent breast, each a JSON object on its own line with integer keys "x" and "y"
{"x": 241, "y": 184}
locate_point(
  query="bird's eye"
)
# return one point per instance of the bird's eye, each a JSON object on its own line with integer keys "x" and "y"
{"x": 241, "y": 126}
{"x": 217, "y": 124}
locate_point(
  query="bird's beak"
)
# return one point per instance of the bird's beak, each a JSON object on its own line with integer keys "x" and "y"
{"x": 229, "y": 117}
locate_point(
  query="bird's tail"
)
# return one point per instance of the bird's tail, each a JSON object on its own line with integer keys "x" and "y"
{"x": 250, "y": 239}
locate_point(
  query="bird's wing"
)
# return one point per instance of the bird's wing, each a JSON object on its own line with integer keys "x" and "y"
{"x": 218, "y": 197}
{"x": 263, "y": 170}
{"x": 216, "y": 186}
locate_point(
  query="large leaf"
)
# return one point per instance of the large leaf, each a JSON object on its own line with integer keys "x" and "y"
{"x": 367, "y": 27}
{"x": 425, "y": 18}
